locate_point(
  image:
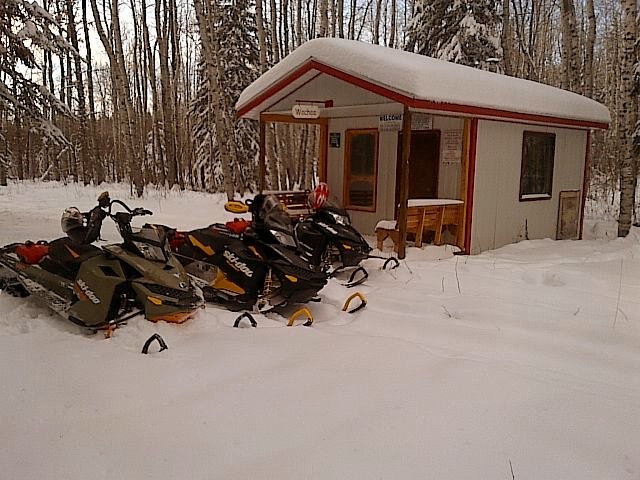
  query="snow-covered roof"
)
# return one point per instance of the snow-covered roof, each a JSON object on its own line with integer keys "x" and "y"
{"x": 422, "y": 83}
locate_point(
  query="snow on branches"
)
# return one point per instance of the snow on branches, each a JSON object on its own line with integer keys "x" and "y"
{"x": 26, "y": 31}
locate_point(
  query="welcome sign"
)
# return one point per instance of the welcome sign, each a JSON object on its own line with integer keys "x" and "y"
{"x": 390, "y": 122}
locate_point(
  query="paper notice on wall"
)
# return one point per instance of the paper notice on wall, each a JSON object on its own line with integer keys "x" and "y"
{"x": 451, "y": 147}
{"x": 421, "y": 121}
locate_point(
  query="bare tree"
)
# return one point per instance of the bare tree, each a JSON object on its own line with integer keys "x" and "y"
{"x": 589, "y": 49}
{"x": 571, "y": 52}
{"x": 376, "y": 23}
{"x": 112, "y": 44}
{"x": 85, "y": 160}
{"x": 507, "y": 39}
{"x": 629, "y": 116}
{"x": 206, "y": 13}
{"x": 164, "y": 17}
{"x": 323, "y": 27}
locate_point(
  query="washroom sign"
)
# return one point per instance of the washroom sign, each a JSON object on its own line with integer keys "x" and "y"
{"x": 305, "y": 111}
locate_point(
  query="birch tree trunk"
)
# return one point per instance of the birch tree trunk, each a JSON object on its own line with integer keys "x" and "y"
{"x": 97, "y": 166}
{"x": 628, "y": 118}
{"x": 166, "y": 92}
{"x": 139, "y": 76}
{"x": 284, "y": 24}
{"x": 82, "y": 111}
{"x": 589, "y": 49}
{"x": 323, "y": 27}
{"x": 351, "y": 35}
{"x": 392, "y": 33}
{"x": 340, "y": 17}
{"x": 376, "y": 23}
{"x": 275, "y": 46}
{"x": 116, "y": 61}
{"x": 156, "y": 150}
{"x": 298, "y": 35}
{"x": 571, "y": 46}
{"x": 4, "y": 157}
{"x": 262, "y": 41}
{"x": 506, "y": 39}
{"x": 210, "y": 47}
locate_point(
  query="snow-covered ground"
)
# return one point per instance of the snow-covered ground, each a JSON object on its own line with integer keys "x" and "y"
{"x": 521, "y": 363}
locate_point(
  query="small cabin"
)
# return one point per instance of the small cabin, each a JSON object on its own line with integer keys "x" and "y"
{"x": 439, "y": 151}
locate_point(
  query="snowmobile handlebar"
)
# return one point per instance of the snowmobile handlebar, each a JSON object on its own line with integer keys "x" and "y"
{"x": 123, "y": 219}
{"x": 134, "y": 212}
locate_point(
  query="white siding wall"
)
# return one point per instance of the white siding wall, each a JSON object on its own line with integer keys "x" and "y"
{"x": 341, "y": 92}
{"x": 365, "y": 222}
{"x": 449, "y": 175}
{"x": 499, "y": 217}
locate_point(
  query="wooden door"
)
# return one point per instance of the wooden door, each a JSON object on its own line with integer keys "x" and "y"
{"x": 424, "y": 163}
{"x": 568, "y": 215}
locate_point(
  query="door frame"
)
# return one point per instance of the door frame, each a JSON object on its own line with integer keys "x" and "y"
{"x": 435, "y": 131}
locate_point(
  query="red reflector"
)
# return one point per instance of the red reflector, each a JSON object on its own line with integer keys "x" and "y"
{"x": 177, "y": 240}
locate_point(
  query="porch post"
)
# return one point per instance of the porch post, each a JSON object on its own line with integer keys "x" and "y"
{"x": 261, "y": 155}
{"x": 404, "y": 181}
{"x": 585, "y": 182}
{"x": 471, "y": 178}
{"x": 324, "y": 143}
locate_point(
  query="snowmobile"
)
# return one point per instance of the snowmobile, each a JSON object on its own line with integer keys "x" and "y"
{"x": 237, "y": 268}
{"x": 100, "y": 288}
{"x": 325, "y": 239}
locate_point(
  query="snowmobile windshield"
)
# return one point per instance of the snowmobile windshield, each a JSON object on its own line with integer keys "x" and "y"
{"x": 273, "y": 215}
{"x": 151, "y": 242}
{"x": 334, "y": 211}
{"x": 283, "y": 238}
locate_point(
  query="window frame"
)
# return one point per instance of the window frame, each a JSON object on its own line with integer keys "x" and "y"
{"x": 532, "y": 197}
{"x": 349, "y": 178}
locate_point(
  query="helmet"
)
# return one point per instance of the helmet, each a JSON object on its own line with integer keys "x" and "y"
{"x": 319, "y": 196}
{"x": 71, "y": 219}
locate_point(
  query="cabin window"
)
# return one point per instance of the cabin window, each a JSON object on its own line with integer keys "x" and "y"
{"x": 536, "y": 176}
{"x": 361, "y": 168}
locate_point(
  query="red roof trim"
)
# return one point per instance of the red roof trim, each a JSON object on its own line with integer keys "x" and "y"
{"x": 413, "y": 102}
{"x": 276, "y": 87}
{"x": 361, "y": 82}
{"x": 506, "y": 114}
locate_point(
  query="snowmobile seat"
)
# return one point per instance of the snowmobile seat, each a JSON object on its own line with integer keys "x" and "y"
{"x": 65, "y": 257}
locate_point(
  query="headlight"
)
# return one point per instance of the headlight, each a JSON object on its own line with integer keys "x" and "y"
{"x": 340, "y": 219}
{"x": 283, "y": 238}
{"x": 151, "y": 252}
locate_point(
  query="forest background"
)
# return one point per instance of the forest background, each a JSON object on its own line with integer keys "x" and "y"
{"x": 143, "y": 91}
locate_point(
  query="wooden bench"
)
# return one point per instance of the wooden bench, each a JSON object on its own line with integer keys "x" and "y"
{"x": 423, "y": 218}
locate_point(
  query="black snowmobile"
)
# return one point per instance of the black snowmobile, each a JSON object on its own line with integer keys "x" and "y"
{"x": 326, "y": 239}
{"x": 237, "y": 268}
{"x": 100, "y": 288}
